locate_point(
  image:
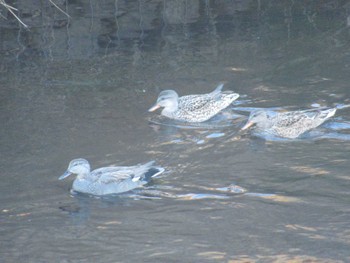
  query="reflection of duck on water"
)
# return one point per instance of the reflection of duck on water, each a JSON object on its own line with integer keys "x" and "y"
{"x": 194, "y": 108}
{"x": 110, "y": 180}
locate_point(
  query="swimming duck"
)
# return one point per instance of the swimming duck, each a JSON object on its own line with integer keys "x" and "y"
{"x": 109, "y": 180}
{"x": 289, "y": 124}
{"x": 194, "y": 108}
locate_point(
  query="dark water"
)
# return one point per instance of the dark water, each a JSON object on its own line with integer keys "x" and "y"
{"x": 81, "y": 87}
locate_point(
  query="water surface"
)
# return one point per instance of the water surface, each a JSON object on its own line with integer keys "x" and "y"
{"x": 81, "y": 87}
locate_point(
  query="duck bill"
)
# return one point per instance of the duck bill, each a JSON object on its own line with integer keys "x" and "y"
{"x": 247, "y": 125}
{"x": 154, "y": 107}
{"x": 65, "y": 175}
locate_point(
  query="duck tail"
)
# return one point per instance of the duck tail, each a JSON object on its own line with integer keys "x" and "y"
{"x": 231, "y": 96}
{"x": 330, "y": 112}
{"x": 216, "y": 93}
{"x": 218, "y": 89}
{"x": 228, "y": 95}
{"x": 149, "y": 164}
{"x": 325, "y": 114}
{"x": 151, "y": 170}
{"x": 342, "y": 106}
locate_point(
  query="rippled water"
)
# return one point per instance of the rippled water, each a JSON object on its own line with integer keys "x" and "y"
{"x": 81, "y": 87}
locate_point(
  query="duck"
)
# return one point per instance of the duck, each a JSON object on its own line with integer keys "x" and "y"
{"x": 289, "y": 124}
{"x": 193, "y": 108}
{"x": 109, "y": 180}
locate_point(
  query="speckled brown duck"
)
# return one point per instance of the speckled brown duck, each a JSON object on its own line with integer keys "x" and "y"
{"x": 194, "y": 108}
{"x": 290, "y": 124}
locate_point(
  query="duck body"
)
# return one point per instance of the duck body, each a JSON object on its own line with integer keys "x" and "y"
{"x": 194, "y": 108}
{"x": 289, "y": 124}
{"x": 109, "y": 180}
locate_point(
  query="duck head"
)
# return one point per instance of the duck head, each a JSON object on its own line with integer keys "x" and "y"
{"x": 76, "y": 166}
{"x": 167, "y": 99}
{"x": 258, "y": 117}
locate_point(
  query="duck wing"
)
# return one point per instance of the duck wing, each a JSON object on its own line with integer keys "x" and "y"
{"x": 290, "y": 119}
{"x": 321, "y": 114}
{"x": 116, "y": 174}
{"x": 292, "y": 124}
{"x": 192, "y": 103}
{"x": 202, "y": 107}
{"x": 313, "y": 117}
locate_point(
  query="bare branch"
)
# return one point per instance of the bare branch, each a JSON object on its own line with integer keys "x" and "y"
{"x": 59, "y": 8}
{"x": 10, "y": 9}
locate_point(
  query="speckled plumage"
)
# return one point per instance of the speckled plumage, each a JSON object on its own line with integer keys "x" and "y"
{"x": 194, "y": 108}
{"x": 289, "y": 124}
{"x": 109, "y": 180}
